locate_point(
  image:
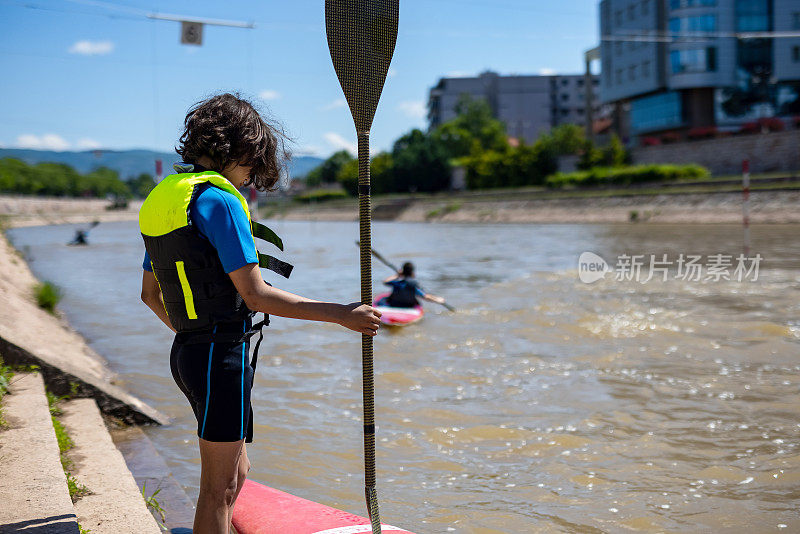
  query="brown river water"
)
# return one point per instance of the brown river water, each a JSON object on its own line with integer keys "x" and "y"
{"x": 544, "y": 405}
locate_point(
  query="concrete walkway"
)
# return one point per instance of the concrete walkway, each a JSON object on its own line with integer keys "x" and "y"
{"x": 33, "y": 491}
{"x": 115, "y": 505}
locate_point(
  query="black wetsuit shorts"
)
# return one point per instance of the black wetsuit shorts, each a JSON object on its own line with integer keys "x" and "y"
{"x": 216, "y": 377}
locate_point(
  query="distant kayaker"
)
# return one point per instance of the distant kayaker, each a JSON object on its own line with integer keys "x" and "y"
{"x": 82, "y": 234}
{"x": 201, "y": 277}
{"x": 405, "y": 289}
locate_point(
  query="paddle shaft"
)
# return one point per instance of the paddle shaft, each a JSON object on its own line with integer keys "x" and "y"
{"x": 365, "y": 234}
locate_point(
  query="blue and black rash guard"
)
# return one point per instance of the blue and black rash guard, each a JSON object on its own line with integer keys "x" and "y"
{"x": 404, "y": 293}
{"x": 219, "y": 217}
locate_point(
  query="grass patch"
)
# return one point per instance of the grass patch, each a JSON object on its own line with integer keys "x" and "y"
{"x": 47, "y": 296}
{"x": 444, "y": 210}
{"x": 154, "y": 506}
{"x": 65, "y": 443}
{"x": 321, "y": 195}
{"x": 6, "y": 372}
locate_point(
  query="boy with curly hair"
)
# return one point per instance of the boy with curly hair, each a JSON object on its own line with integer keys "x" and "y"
{"x": 201, "y": 277}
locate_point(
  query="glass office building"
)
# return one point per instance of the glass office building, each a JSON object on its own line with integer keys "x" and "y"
{"x": 678, "y": 65}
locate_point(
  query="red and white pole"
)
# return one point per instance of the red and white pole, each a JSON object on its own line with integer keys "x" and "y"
{"x": 746, "y": 204}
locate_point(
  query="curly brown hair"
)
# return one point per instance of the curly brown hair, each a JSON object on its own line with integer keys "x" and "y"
{"x": 229, "y": 130}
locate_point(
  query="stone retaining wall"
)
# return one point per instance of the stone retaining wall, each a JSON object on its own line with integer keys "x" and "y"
{"x": 770, "y": 152}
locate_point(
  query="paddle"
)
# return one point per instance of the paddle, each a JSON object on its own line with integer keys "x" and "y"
{"x": 361, "y": 38}
{"x": 395, "y": 269}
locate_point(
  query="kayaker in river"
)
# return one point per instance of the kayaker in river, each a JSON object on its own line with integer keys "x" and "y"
{"x": 202, "y": 279}
{"x": 405, "y": 289}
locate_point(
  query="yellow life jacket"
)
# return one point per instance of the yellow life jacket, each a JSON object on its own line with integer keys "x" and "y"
{"x": 196, "y": 290}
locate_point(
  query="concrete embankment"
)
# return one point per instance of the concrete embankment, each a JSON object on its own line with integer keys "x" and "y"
{"x": 37, "y": 211}
{"x": 31, "y": 336}
{"x": 766, "y": 207}
{"x": 62, "y": 476}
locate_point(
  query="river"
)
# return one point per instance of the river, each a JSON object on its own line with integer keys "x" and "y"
{"x": 544, "y": 404}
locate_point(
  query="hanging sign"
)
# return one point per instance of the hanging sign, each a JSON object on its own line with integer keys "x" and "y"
{"x": 191, "y": 33}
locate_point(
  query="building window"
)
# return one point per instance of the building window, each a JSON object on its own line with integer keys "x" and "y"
{"x": 631, "y": 11}
{"x": 618, "y": 48}
{"x": 796, "y": 54}
{"x": 657, "y": 112}
{"x": 564, "y": 97}
{"x": 595, "y": 82}
{"x": 619, "y": 76}
{"x": 645, "y": 69}
{"x": 632, "y": 72}
{"x": 796, "y": 20}
{"x": 701, "y": 23}
{"x": 645, "y": 7}
{"x": 753, "y": 15}
{"x": 677, "y": 4}
{"x": 618, "y": 18}
{"x": 696, "y": 60}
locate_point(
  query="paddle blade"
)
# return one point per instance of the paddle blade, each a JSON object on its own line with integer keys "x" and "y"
{"x": 361, "y": 39}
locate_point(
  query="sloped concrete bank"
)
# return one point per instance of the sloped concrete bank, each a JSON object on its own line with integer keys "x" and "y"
{"x": 68, "y": 366}
{"x": 30, "y": 335}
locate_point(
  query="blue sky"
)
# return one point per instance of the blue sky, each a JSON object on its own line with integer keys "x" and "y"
{"x": 81, "y": 74}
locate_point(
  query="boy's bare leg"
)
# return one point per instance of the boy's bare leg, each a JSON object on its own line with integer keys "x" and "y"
{"x": 218, "y": 485}
{"x": 241, "y": 476}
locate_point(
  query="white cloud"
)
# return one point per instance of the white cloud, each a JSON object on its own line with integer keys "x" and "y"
{"x": 92, "y": 48}
{"x": 340, "y": 143}
{"x": 44, "y": 142}
{"x": 546, "y": 71}
{"x": 415, "y": 109}
{"x": 269, "y": 95}
{"x": 87, "y": 144}
{"x": 338, "y": 103}
{"x": 308, "y": 150}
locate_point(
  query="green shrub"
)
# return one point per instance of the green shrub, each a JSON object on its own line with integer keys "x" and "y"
{"x": 599, "y": 176}
{"x": 321, "y": 195}
{"x": 58, "y": 179}
{"x": 515, "y": 167}
{"x": 47, "y": 296}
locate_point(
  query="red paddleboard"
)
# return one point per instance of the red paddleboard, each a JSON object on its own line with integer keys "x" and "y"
{"x": 392, "y": 316}
{"x": 263, "y": 510}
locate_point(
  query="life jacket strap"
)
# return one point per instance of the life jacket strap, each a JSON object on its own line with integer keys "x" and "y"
{"x": 275, "y": 265}
{"x": 262, "y": 232}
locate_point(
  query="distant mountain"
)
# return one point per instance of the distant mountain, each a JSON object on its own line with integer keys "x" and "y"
{"x": 128, "y": 163}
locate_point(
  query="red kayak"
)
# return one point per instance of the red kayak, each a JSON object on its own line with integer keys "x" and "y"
{"x": 263, "y": 510}
{"x": 392, "y": 316}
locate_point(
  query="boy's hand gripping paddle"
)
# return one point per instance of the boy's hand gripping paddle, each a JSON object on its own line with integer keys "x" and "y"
{"x": 361, "y": 39}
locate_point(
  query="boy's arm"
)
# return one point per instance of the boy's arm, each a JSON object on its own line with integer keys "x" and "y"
{"x": 392, "y": 278}
{"x": 151, "y": 295}
{"x": 433, "y": 298}
{"x": 258, "y": 296}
